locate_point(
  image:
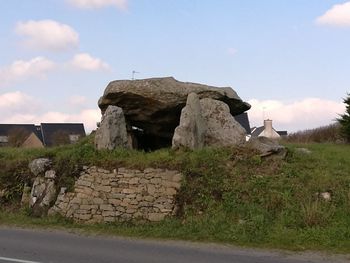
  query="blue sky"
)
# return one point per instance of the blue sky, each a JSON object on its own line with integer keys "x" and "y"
{"x": 289, "y": 58}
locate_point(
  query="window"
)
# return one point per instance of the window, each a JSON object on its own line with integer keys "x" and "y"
{"x": 73, "y": 138}
{"x": 4, "y": 139}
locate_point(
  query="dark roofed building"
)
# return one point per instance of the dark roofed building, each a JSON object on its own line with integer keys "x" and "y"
{"x": 244, "y": 121}
{"x": 61, "y": 133}
{"x": 39, "y": 134}
{"x": 282, "y": 133}
{"x": 268, "y": 131}
{"x": 6, "y": 130}
{"x": 256, "y": 131}
{"x": 49, "y": 134}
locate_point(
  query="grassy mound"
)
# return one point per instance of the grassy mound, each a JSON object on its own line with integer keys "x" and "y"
{"x": 228, "y": 195}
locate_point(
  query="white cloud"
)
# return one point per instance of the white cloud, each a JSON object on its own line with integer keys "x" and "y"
{"x": 293, "y": 116}
{"x": 88, "y": 116}
{"x": 77, "y": 100}
{"x": 20, "y": 69}
{"x": 85, "y": 61}
{"x": 18, "y": 107}
{"x": 39, "y": 67}
{"x": 232, "y": 51}
{"x": 338, "y": 15}
{"x": 15, "y": 101}
{"x": 93, "y": 4}
{"x": 48, "y": 35}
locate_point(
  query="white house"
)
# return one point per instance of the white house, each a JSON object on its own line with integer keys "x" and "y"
{"x": 267, "y": 131}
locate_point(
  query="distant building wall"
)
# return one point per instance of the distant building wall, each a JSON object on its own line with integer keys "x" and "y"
{"x": 32, "y": 142}
{"x": 4, "y": 141}
{"x": 269, "y": 132}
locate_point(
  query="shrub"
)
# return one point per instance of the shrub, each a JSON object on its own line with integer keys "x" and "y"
{"x": 324, "y": 134}
{"x": 60, "y": 138}
{"x": 17, "y": 136}
{"x": 314, "y": 213}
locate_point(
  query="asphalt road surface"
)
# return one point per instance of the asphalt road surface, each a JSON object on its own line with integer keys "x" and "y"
{"x": 34, "y": 246}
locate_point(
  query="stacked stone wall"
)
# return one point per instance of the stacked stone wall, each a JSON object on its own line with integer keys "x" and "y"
{"x": 120, "y": 195}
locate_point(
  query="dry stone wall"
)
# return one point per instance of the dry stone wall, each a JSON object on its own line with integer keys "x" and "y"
{"x": 120, "y": 195}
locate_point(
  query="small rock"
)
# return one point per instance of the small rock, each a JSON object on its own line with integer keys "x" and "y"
{"x": 50, "y": 193}
{"x": 63, "y": 190}
{"x": 50, "y": 174}
{"x": 267, "y": 147}
{"x": 42, "y": 195}
{"x": 155, "y": 217}
{"x": 37, "y": 191}
{"x": 2, "y": 193}
{"x": 326, "y": 196}
{"x": 25, "y": 200}
{"x": 39, "y": 166}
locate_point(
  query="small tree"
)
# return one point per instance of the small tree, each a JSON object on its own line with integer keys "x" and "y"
{"x": 344, "y": 119}
{"x": 60, "y": 138}
{"x": 17, "y": 136}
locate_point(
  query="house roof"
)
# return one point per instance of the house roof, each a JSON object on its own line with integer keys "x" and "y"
{"x": 38, "y": 132}
{"x": 6, "y": 129}
{"x": 244, "y": 121}
{"x": 49, "y": 129}
{"x": 257, "y": 131}
{"x": 282, "y": 133}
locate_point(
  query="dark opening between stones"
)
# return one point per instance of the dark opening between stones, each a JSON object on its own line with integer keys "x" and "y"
{"x": 158, "y": 132}
{"x": 142, "y": 140}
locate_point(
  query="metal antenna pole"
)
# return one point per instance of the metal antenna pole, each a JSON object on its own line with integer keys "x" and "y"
{"x": 264, "y": 113}
{"x": 133, "y": 74}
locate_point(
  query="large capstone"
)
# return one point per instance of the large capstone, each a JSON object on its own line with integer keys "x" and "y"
{"x": 112, "y": 132}
{"x": 152, "y": 107}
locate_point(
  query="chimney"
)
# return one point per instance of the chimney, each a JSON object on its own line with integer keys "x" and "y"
{"x": 268, "y": 128}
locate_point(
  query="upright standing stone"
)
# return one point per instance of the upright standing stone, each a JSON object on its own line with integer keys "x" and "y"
{"x": 43, "y": 191}
{"x": 112, "y": 132}
{"x": 222, "y": 128}
{"x": 191, "y": 130}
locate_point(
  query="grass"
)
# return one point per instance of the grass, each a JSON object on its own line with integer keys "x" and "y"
{"x": 228, "y": 195}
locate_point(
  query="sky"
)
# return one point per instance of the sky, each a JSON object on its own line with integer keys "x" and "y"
{"x": 290, "y": 59}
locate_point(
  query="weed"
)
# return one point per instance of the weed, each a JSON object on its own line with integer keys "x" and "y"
{"x": 314, "y": 214}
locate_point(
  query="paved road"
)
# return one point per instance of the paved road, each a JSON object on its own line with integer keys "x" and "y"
{"x": 33, "y": 246}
